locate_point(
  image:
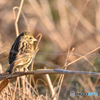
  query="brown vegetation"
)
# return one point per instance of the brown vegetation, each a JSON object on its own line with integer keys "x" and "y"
{"x": 70, "y": 40}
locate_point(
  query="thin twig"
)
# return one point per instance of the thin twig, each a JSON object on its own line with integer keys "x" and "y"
{"x": 17, "y": 18}
{"x": 67, "y": 56}
{"x": 50, "y": 85}
{"x": 14, "y": 8}
{"x": 35, "y": 52}
{"x": 74, "y": 32}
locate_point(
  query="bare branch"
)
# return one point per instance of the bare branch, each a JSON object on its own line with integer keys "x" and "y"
{"x": 46, "y": 71}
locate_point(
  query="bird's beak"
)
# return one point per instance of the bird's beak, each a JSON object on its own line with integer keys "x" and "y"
{"x": 34, "y": 39}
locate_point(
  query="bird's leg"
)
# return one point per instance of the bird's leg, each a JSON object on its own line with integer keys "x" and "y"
{"x": 26, "y": 69}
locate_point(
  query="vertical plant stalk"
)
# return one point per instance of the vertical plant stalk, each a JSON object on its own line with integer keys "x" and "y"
{"x": 35, "y": 52}
{"x": 67, "y": 56}
{"x": 17, "y": 18}
{"x": 13, "y": 96}
{"x": 0, "y": 68}
{"x": 16, "y": 7}
{"x": 50, "y": 85}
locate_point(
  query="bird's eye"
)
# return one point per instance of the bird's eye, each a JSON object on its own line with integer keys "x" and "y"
{"x": 30, "y": 37}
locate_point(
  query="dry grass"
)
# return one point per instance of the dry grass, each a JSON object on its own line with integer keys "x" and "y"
{"x": 68, "y": 41}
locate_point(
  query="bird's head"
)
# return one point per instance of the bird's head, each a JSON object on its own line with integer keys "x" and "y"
{"x": 27, "y": 36}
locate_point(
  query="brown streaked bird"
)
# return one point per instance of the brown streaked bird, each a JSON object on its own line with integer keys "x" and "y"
{"x": 21, "y": 54}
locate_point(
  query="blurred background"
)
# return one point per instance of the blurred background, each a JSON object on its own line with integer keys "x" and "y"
{"x": 56, "y": 20}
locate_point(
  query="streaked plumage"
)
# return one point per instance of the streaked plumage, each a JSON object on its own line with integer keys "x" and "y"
{"x": 21, "y": 53}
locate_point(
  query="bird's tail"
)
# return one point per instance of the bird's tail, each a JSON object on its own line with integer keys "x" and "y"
{"x": 10, "y": 68}
{"x": 3, "y": 84}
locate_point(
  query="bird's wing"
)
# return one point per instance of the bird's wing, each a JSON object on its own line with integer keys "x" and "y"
{"x": 22, "y": 59}
{"x": 14, "y": 51}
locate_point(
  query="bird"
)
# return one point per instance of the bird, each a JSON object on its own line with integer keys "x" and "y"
{"x": 21, "y": 54}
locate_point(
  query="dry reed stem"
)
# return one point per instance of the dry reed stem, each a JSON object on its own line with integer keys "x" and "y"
{"x": 74, "y": 31}
{"x": 50, "y": 85}
{"x": 7, "y": 92}
{"x": 83, "y": 56}
{"x": 29, "y": 84}
{"x": 67, "y": 56}
{"x": 35, "y": 52}
{"x": 18, "y": 80}
{"x": 17, "y": 18}
{"x": 36, "y": 49}
{"x": 98, "y": 77}
{"x": 13, "y": 96}
{"x": 62, "y": 76}
{"x": 39, "y": 79}
{"x": 10, "y": 90}
{"x": 90, "y": 63}
{"x": 0, "y": 68}
{"x": 14, "y": 8}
